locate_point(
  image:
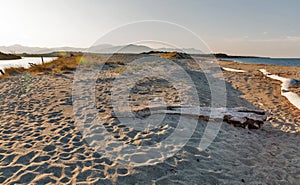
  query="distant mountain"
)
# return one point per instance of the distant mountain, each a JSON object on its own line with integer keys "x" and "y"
{"x": 19, "y": 49}
{"x": 103, "y": 48}
{"x": 131, "y": 48}
{"x": 182, "y": 50}
{"x": 224, "y": 56}
{"x": 99, "y": 48}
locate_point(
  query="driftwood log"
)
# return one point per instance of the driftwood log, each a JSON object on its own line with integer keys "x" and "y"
{"x": 239, "y": 117}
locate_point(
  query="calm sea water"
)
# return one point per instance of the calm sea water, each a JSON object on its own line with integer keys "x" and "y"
{"x": 275, "y": 61}
{"x": 24, "y": 62}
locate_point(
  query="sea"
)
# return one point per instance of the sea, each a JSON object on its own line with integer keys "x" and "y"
{"x": 24, "y": 62}
{"x": 274, "y": 61}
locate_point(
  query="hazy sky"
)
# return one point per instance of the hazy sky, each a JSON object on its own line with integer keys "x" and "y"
{"x": 244, "y": 27}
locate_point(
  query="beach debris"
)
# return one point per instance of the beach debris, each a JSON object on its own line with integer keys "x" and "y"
{"x": 239, "y": 117}
{"x": 285, "y": 85}
{"x": 32, "y": 64}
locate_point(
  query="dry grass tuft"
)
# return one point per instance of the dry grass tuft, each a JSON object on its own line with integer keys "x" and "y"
{"x": 14, "y": 71}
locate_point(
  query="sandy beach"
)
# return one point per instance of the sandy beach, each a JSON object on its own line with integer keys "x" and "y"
{"x": 40, "y": 142}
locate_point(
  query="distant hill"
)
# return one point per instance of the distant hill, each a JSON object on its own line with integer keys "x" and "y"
{"x": 52, "y": 54}
{"x": 102, "y": 48}
{"x": 19, "y": 49}
{"x": 131, "y": 48}
{"x": 169, "y": 55}
{"x": 4, "y": 56}
{"x": 223, "y": 55}
{"x": 182, "y": 50}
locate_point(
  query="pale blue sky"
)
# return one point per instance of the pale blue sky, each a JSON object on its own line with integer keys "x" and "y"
{"x": 256, "y": 27}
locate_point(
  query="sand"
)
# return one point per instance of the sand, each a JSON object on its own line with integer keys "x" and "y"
{"x": 41, "y": 142}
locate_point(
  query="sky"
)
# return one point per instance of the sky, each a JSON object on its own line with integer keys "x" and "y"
{"x": 239, "y": 27}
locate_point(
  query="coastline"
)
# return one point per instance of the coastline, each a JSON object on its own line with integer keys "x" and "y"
{"x": 41, "y": 143}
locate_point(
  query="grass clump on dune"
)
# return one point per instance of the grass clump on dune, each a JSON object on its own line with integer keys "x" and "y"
{"x": 60, "y": 65}
{"x": 14, "y": 71}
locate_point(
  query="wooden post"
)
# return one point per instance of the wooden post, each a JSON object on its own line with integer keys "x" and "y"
{"x": 42, "y": 60}
{"x": 2, "y": 71}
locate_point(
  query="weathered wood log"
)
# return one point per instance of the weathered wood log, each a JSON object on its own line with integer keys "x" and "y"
{"x": 239, "y": 117}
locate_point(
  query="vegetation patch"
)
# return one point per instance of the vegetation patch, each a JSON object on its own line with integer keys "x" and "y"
{"x": 4, "y": 56}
